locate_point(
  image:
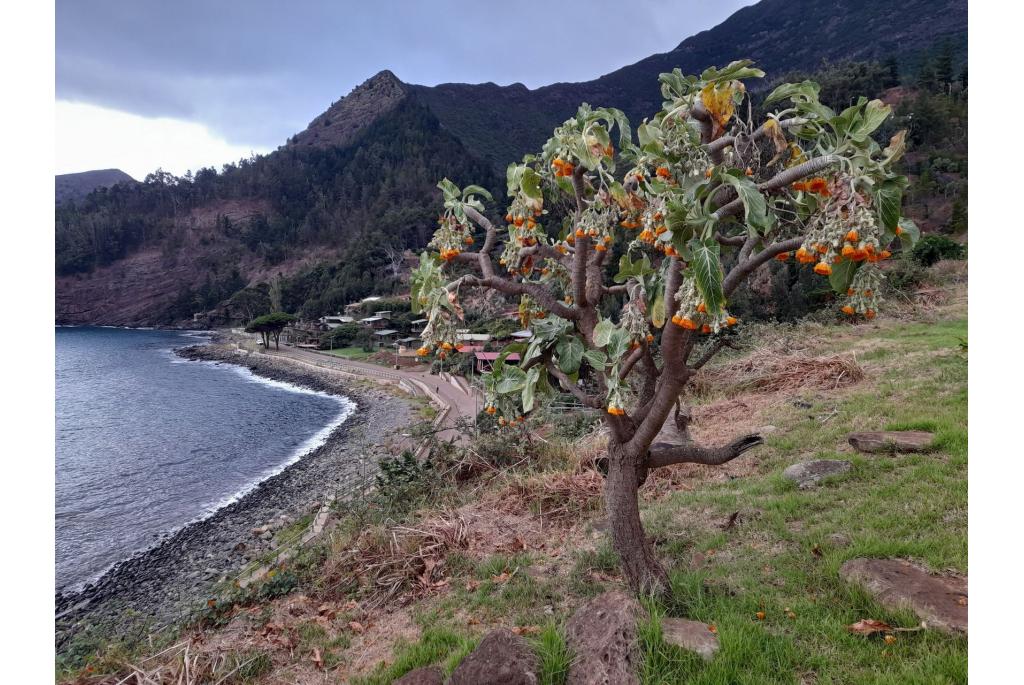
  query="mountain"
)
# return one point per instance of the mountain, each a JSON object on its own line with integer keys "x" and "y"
{"x": 325, "y": 214}
{"x": 72, "y": 187}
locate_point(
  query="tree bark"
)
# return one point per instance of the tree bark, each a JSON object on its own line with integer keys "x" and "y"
{"x": 643, "y": 571}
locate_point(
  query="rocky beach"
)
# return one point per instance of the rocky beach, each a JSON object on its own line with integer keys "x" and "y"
{"x": 160, "y": 586}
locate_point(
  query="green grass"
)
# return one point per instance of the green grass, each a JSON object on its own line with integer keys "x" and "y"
{"x": 354, "y": 353}
{"x": 437, "y": 645}
{"x": 781, "y": 557}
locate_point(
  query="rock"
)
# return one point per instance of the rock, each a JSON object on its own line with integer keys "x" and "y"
{"x": 501, "y": 658}
{"x": 428, "y": 675}
{"x": 602, "y": 635}
{"x": 810, "y": 473}
{"x": 940, "y": 601}
{"x": 693, "y": 636}
{"x": 891, "y": 441}
{"x": 266, "y": 535}
{"x": 768, "y": 430}
{"x": 240, "y": 547}
{"x": 838, "y": 540}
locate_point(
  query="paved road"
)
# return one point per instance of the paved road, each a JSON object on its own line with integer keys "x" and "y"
{"x": 459, "y": 403}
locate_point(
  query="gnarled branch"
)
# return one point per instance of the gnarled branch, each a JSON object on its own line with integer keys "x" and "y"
{"x": 666, "y": 454}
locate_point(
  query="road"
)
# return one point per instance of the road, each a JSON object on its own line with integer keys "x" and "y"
{"x": 440, "y": 391}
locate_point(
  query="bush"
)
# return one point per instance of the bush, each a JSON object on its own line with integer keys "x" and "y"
{"x": 934, "y": 248}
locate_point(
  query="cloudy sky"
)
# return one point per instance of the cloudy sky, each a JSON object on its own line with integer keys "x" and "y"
{"x": 143, "y": 84}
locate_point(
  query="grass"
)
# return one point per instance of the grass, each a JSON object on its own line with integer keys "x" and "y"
{"x": 352, "y": 353}
{"x": 783, "y": 556}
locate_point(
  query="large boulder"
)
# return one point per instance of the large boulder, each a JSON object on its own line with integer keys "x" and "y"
{"x": 602, "y": 635}
{"x": 428, "y": 675}
{"x": 940, "y": 601}
{"x": 693, "y": 636}
{"x": 810, "y": 473}
{"x": 891, "y": 441}
{"x": 501, "y": 658}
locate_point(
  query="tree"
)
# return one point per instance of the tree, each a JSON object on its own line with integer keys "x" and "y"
{"x": 270, "y": 326}
{"x": 699, "y": 182}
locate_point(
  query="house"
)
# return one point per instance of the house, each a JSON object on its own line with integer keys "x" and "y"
{"x": 385, "y": 337}
{"x": 485, "y": 360}
{"x": 332, "y": 321}
{"x": 522, "y": 336}
{"x": 375, "y": 322}
{"x": 479, "y": 338}
{"x": 418, "y": 325}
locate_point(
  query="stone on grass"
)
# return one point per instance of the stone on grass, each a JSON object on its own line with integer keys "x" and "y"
{"x": 501, "y": 658}
{"x": 891, "y": 441}
{"x": 939, "y": 601}
{"x": 427, "y": 675}
{"x": 602, "y": 636}
{"x": 810, "y": 473}
{"x": 693, "y": 636}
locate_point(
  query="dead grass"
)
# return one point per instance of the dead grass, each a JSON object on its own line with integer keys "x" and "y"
{"x": 767, "y": 371}
{"x": 398, "y": 563}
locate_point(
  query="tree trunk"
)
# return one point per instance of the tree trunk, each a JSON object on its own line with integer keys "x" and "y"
{"x": 639, "y": 564}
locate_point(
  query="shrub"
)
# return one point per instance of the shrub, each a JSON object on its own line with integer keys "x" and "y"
{"x": 933, "y": 248}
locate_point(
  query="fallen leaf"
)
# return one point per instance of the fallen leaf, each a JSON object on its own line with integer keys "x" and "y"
{"x": 760, "y": 615}
{"x": 962, "y": 601}
{"x": 816, "y": 551}
{"x": 732, "y": 520}
{"x": 517, "y": 544}
{"x": 472, "y": 585}
{"x": 889, "y": 639}
{"x": 501, "y": 577}
{"x": 472, "y": 621}
{"x": 526, "y": 630}
{"x": 869, "y": 626}
{"x": 713, "y": 628}
{"x": 356, "y": 627}
{"x": 317, "y": 658}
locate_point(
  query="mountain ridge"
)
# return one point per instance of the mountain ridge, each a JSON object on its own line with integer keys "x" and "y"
{"x": 359, "y": 180}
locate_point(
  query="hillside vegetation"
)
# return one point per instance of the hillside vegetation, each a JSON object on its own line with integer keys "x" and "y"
{"x": 326, "y": 213}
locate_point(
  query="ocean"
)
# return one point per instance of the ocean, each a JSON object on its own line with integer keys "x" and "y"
{"x": 148, "y": 442}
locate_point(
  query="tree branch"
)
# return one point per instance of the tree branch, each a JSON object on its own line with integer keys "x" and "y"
{"x": 780, "y": 180}
{"x": 665, "y": 454}
{"x": 745, "y": 268}
{"x": 711, "y": 352}
{"x": 567, "y": 384}
{"x": 761, "y": 132}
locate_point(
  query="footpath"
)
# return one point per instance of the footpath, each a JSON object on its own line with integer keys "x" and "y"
{"x": 453, "y": 395}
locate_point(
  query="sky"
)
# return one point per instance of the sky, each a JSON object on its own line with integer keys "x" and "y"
{"x": 180, "y": 85}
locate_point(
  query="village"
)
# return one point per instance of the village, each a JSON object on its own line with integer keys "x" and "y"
{"x": 381, "y": 329}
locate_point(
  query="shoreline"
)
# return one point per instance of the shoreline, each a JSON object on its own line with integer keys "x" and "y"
{"x": 154, "y": 588}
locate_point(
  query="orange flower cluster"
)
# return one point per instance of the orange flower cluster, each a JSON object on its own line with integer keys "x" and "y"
{"x": 562, "y": 167}
{"x": 616, "y": 411}
{"x": 818, "y": 186}
{"x": 449, "y": 255}
{"x": 663, "y": 172}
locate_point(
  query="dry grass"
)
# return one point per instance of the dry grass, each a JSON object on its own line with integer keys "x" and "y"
{"x": 184, "y": 663}
{"x": 554, "y": 496}
{"x": 767, "y": 371}
{"x": 397, "y": 563}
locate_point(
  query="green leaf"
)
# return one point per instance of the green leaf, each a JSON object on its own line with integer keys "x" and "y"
{"x": 531, "y": 184}
{"x": 875, "y": 114}
{"x": 842, "y": 275}
{"x": 658, "y": 309}
{"x": 618, "y": 344}
{"x": 528, "y": 389}
{"x": 707, "y": 273}
{"x": 909, "y": 233}
{"x": 511, "y": 379}
{"x": 570, "y": 353}
{"x": 595, "y": 358}
{"x": 603, "y": 332}
{"x": 476, "y": 190}
{"x": 755, "y": 208}
{"x": 889, "y": 200}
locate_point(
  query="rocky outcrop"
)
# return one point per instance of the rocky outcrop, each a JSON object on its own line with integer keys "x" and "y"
{"x": 428, "y": 675}
{"x": 501, "y": 658}
{"x": 810, "y": 473}
{"x": 692, "y": 636}
{"x": 891, "y": 441}
{"x": 940, "y": 601}
{"x": 345, "y": 119}
{"x": 602, "y": 634}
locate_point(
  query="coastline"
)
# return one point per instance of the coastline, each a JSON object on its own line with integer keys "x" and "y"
{"x": 156, "y": 587}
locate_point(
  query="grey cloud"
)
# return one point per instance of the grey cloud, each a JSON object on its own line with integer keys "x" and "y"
{"x": 257, "y": 71}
